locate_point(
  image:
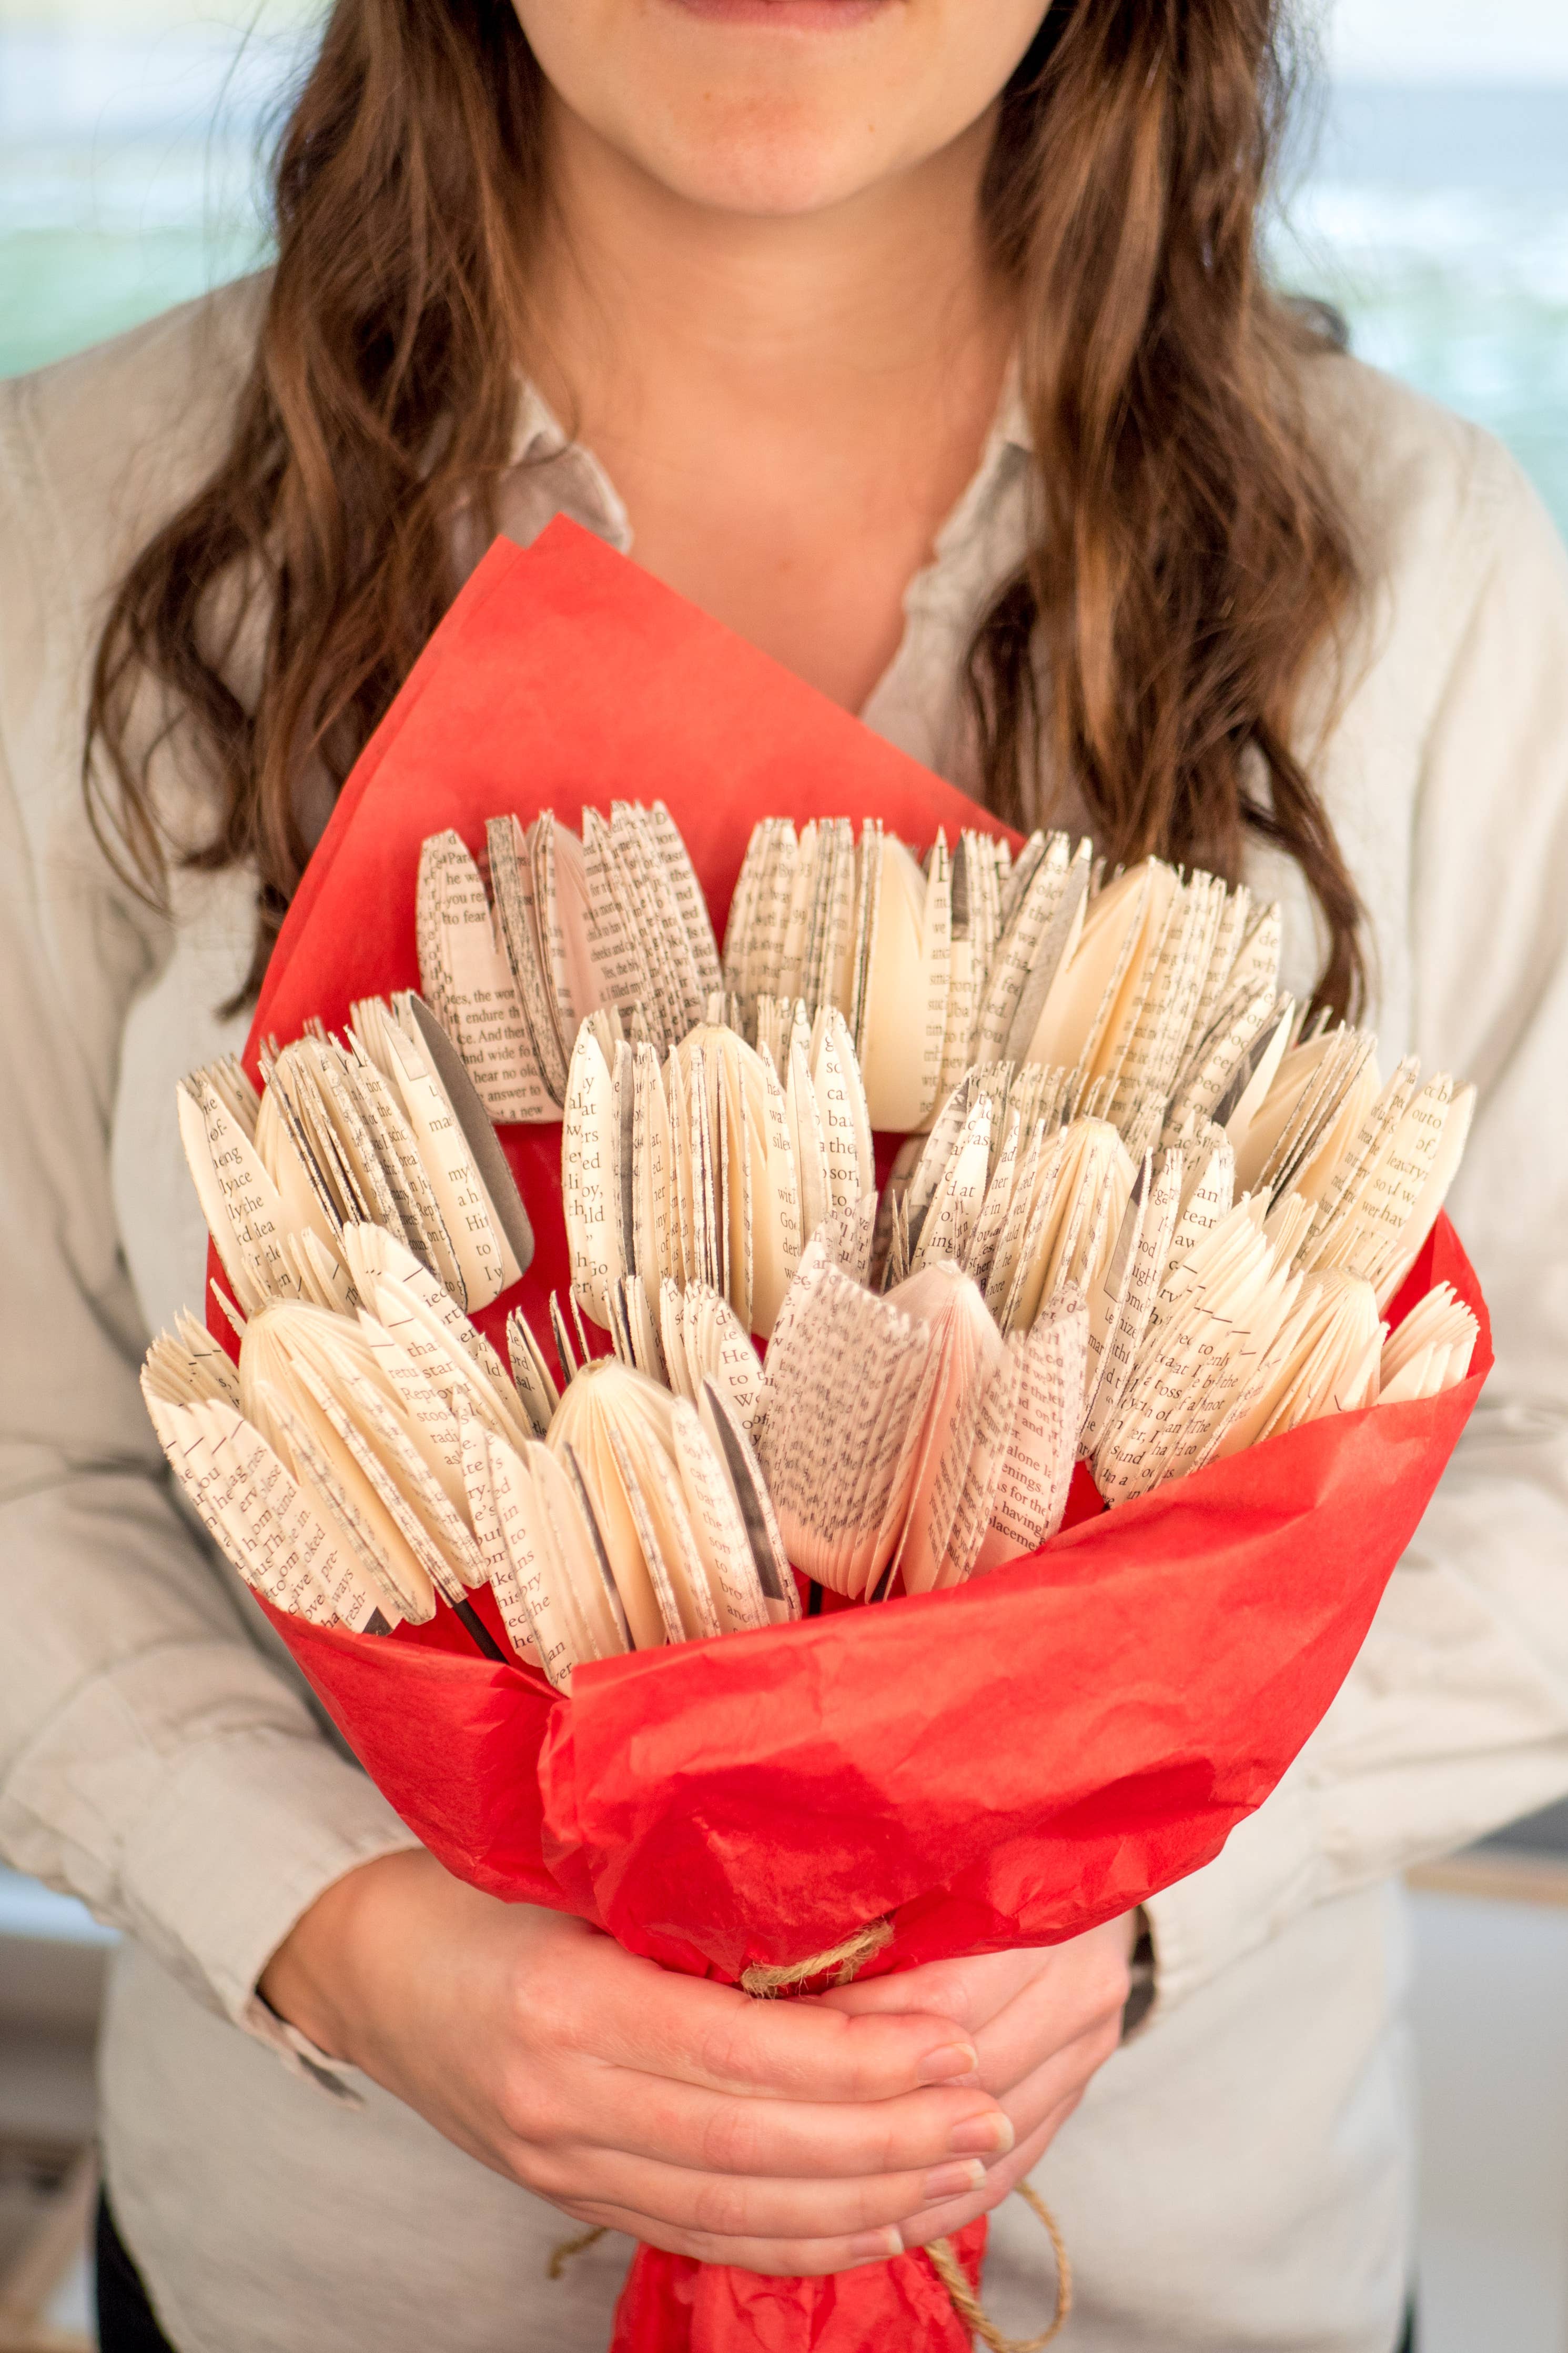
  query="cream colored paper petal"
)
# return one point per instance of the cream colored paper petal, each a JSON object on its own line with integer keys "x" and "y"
{"x": 1042, "y": 879}
{"x": 1031, "y": 1494}
{"x": 294, "y": 1549}
{"x": 485, "y": 1518}
{"x": 588, "y": 1407}
{"x": 469, "y": 1384}
{"x": 732, "y": 1448}
{"x": 474, "y": 994}
{"x": 590, "y": 1178}
{"x": 778, "y": 1238}
{"x": 718, "y": 1528}
{"x": 241, "y": 1205}
{"x": 591, "y": 1587}
{"x": 538, "y": 1577}
{"x": 688, "y": 899}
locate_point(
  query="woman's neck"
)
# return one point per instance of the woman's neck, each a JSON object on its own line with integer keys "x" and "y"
{"x": 789, "y": 407}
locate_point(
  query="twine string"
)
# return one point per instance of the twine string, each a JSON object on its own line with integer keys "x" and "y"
{"x": 972, "y": 2313}
{"x": 840, "y": 1962}
{"x": 562, "y": 2253}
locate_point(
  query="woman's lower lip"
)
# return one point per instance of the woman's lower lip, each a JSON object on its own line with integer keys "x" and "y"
{"x": 796, "y": 15}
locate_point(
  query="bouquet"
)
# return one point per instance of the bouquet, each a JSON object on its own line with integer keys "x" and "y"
{"x": 1146, "y": 1224}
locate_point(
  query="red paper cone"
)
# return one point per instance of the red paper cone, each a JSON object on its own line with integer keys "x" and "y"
{"x": 1010, "y": 1763}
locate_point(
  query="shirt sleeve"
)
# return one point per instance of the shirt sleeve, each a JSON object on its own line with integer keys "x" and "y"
{"x": 153, "y": 1761}
{"x": 1455, "y": 1717}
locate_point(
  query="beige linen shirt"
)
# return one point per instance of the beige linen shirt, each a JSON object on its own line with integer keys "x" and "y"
{"x": 1238, "y": 2176}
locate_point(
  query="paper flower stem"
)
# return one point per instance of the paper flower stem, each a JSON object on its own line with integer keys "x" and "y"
{"x": 484, "y": 1641}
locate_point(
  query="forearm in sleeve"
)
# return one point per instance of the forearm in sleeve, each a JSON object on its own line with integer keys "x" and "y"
{"x": 151, "y": 1760}
{"x": 1454, "y": 1719}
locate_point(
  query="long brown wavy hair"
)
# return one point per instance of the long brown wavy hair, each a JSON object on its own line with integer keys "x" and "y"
{"x": 1188, "y": 562}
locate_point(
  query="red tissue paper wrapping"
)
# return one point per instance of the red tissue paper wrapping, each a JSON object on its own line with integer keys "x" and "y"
{"x": 1009, "y": 1763}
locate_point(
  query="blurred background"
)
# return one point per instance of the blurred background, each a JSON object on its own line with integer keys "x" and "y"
{"x": 1428, "y": 198}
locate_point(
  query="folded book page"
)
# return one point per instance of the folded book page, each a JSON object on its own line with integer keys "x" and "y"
{"x": 714, "y": 1170}
{"x": 568, "y": 926}
{"x": 899, "y": 1433}
{"x": 381, "y": 1129}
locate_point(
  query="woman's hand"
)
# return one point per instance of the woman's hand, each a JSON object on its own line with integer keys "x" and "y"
{"x": 1043, "y": 2022}
{"x": 785, "y": 2137}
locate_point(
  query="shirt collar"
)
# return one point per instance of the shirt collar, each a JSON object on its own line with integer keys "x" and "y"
{"x": 538, "y": 436}
{"x": 536, "y": 431}
{"x": 1012, "y": 426}
{"x": 540, "y": 440}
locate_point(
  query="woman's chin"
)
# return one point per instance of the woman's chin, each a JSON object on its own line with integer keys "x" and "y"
{"x": 775, "y": 108}
{"x": 785, "y": 178}
{"x": 754, "y": 149}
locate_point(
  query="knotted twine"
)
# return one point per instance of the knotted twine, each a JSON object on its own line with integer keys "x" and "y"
{"x": 840, "y": 1963}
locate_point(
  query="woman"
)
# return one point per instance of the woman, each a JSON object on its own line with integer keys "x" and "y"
{"x": 925, "y": 345}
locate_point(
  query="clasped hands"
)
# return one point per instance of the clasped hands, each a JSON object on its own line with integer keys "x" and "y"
{"x": 798, "y": 2137}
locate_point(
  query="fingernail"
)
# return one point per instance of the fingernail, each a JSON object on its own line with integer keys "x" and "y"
{"x": 991, "y": 2136}
{"x": 876, "y": 2246}
{"x": 952, "y": 2181}
{"x": 953, "y": 2059}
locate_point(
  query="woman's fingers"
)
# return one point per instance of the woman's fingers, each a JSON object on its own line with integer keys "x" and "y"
{"x": 812, "y": 2257}
{"x": 638, "y": 2065}
{"x": 1063, "y": 2078}
{"x": 970, "y": 1990}
{"x": 777, "y": 2258}
{"x": 1019, "y": 2006}
{"x": 739, "y": 2206}
{"x": 646, "y": 2018}
{"x": 940, "y": 2220}
{"x": 1056, "y": 2012}
{"x": 718, "y": 2132}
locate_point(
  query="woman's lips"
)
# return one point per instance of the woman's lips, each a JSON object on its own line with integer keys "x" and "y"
{"x": 795, "y": 16}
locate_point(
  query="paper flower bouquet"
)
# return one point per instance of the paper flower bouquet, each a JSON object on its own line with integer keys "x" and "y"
{"x": 688, "y": 1494}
